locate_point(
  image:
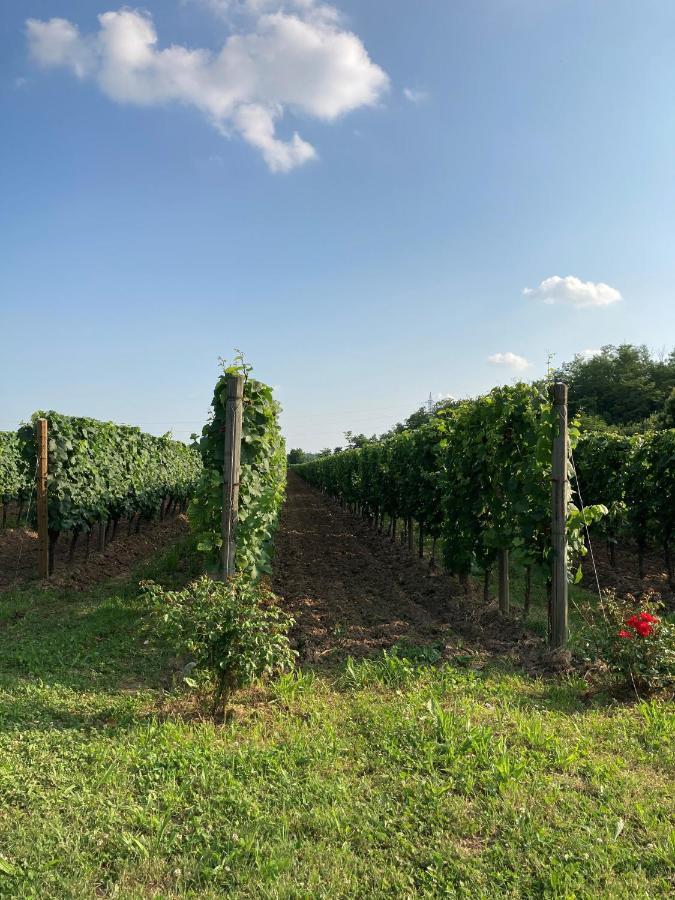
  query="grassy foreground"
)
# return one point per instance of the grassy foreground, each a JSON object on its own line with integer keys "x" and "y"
{"x": 389, "y": 778}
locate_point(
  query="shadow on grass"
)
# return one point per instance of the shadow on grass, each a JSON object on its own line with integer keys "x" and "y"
{"x": 99, "y": 645}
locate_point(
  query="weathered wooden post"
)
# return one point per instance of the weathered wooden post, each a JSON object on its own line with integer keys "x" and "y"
{"x": 231, "y": 472}
{"x": 559, "y": 501}
{"x": 102, "y": 528}
{"x": 504, "y": 587}
{"x": 42, "y": 510}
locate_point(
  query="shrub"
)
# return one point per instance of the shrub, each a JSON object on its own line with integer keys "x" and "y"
{"x": 636, "y": 643}
{"x": 233, "y": 630}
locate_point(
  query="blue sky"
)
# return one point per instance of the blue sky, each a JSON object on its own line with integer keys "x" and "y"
{"x": 449, "y": 156}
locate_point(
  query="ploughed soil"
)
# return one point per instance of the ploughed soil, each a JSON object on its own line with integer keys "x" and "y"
{"x": 353, "y": 592}
{"x": 624, "y": 577}
{"x": 18, "y": 554}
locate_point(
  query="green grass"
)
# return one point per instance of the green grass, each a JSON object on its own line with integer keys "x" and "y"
{"x": 391, "y": 778}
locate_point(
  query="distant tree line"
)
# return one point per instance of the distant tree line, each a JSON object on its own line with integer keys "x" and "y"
{"x": 623, "y": 388}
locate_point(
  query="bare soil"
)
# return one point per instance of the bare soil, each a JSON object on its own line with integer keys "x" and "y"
{"x": 623, "y": 576}
{"x": 354, "y": 592}
{"x": 18, "y": 554}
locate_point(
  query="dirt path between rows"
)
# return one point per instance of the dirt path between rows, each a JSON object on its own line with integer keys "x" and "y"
{"x": 353, "y": 592}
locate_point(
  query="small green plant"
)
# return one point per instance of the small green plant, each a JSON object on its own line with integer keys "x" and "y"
{"x": 233, "y": 630}
{"x": 636, "y": 643}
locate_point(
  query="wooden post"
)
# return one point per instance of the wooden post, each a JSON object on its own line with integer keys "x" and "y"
{"x": 42, "y": 511}
{"x": 504, "y": 595}
{"x": 231, "y": 472}
{"x": 559, "y": 500}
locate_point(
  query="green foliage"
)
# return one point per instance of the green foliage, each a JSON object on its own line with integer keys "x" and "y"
{"x": 232, "y": 629}
{"x": 99, "y": 470}
{"x": 14, "y": 473}
{"x": 600, "y": 460}
{"x": 623, "y": 385}
{"x": 478, "y": 475}
{"x": 296, "y": 456}
{"x": 637, "y": 644}
{"x": 669, "y": 410}
{"x": 635, "y": 478}
{"x": 263, "y": 475}
{"x": 355, "y": 441}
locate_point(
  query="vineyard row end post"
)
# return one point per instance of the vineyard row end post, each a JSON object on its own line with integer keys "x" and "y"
{"x": 42, "y": 509}
{"x": 231, "y": 472}
{"x": 559, "y": 498}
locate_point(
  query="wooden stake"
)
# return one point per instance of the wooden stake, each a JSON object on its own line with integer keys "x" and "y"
{"x": 559, "y": 501}
{"x": 102, "y": 528}
{"x": 42, "y": 511}
{"x": 486, "y": 583}
{"x": 231, "y": 472}
{"x": 504, "y": 593}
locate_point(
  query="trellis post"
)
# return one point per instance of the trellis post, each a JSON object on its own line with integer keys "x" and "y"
{"x": 42, "y": 510}
{"x": 231, "y": 472}
{"x": 559, "y": 501}
{"x": 503, "y": 589}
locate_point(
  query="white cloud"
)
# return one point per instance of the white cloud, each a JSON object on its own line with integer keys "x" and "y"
{"x": 573, "y": 292}
{"x": 415, "y": 96}
{"x": 230, "y": 10}
{"x": 295, "y": 58}
{"x": 588, "y": 354}
{"x": 256, "y": 125}
{"x": 511, "y": 360}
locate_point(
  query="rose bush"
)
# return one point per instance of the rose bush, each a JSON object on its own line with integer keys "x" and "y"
{"x": 637, "y": 645}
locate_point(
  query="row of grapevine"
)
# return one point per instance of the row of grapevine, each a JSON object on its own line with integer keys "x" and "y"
{"x": 99, "y": 472}
{"x": 478, "y": 476}
{"x": 15, "y": 481}
{"x": 262, "y": 478}
{"x": 635, "y": 478}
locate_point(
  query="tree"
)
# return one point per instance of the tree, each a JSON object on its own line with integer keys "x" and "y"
{"x": 623, "y": 385}
{"x": 669, "y": 410}
{"x": 357, "y": 440}
{"x": 296, "y": 456}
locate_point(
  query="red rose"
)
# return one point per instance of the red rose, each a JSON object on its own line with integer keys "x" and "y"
{"x": 648, "y": 617}
{"x": 644, "y": 629}
{"x": 625, "y": 634}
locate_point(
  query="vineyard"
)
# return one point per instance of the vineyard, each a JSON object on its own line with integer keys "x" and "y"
{"x": 99, "y": 475}
{"x": 348, "y": 711}
{"x": 635, "y": 479}
{"x": 478, "y": 477}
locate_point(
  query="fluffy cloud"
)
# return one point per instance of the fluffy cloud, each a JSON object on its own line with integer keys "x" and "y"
{"x": 510, "y": 360}
{"x": 573, "y": 292}
{"x": 293, "y": 57}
